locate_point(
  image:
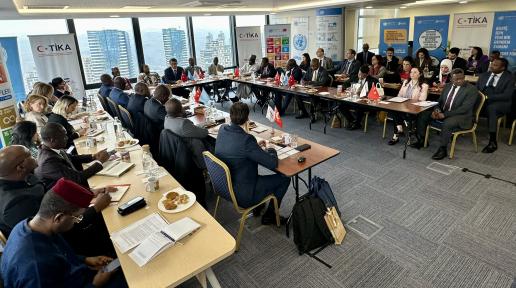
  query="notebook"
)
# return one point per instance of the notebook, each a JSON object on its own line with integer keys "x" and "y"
{"x": 115, "y": 168}
{"x": 398, "y": 99}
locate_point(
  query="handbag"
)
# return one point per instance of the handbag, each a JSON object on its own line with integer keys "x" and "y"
{"x": 380, "y": 90}
{"x": 335, "y": 225}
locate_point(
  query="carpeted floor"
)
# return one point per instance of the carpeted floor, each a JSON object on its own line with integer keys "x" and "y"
{"x": 456, "y": 230}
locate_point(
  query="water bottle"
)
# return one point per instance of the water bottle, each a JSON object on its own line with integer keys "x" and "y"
{"x": 148, "y": 163}
{"x": 119, "y": 133}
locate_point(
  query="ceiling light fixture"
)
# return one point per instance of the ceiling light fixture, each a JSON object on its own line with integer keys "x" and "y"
{"x": 207, "y": 14}
{"x": 369, "y": 7}
{"x": 114, "y": 16}
{"x": 136, "y": 7}
{"x": 403, "y": 7}
{"x": 463, "y": 2}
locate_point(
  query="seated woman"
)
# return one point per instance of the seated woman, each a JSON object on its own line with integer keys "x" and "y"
{"x": 406, "y": 67}
{"x": 297, "y": 74}
{"x": 147, "y": 77}
{"x": 416, "y": 89}
{"x": 46, "y": 90}
{"x": 24, "y": 133}
{"x": 36, "y": 107}
{"x": 305, "y": 63}
{"x": 61, "y": 113}
{"x": 477, "y": 61}
{"x": 444, "y": 74}
{"x": 377, "y": 70}
{"x": 61, "y": 88}
{"x": 423, "y": 59}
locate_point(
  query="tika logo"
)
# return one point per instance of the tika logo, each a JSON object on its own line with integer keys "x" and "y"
{"x": 54, "y": 48}
{"x": 248, "y": 35}
{"x": 472, "y": 20}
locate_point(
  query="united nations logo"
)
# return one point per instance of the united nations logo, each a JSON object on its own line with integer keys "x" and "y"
{"x": 300, "y": 42}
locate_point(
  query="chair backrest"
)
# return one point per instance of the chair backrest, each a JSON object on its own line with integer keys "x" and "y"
{"x": 331, "y": 80}
{"x": 126, "y": 118}
{"x": 220, "y": 178}
{"x": 114, "y": 107}
{"x": 3, "y": 239}
{"x": 480, "y": 104}
{"x": 103, "y": 102}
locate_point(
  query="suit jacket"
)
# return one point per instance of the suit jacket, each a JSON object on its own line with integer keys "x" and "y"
{"x": 19, "y": 200}
{"x": 136, "y": 104}
{"x": 270, "y": 73}
{"x": 242, "y": 154}
{"x": 170, "y": 77}
{"x": 70, "y": 131}
{"x": 214, "y": 70}
{"x": 155, "y": 111}
{"x": 419, "y": 93}
{"x": 190, "y": 70}
{"x": 360, "y": 58}
{"x": 52, "y": 167}
{"x": 296, "y": 72}
{"x": 503, "y": 90}
{"x": 460, "y": 63}
{"x": 463, "y": 105}
{"x": 327, "y": 63}
{"x": 393, "y": 65}
{"x": 354, "y": 66}
{"x": 422, "y": 63}
{"x": 322, "y": 77}
{"x": 105, "y": 90}
{"x": 119, "y": 96}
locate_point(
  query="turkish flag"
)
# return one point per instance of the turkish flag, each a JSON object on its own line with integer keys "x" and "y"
{"x": 237, "y": 72}
{"x": 184, "y": 78}
{"x": 277, "y": 78}
{"x": 373, "y": 93}
{"x": 291, "y": 80}
{"x": 277, "y": 118}
{"x": 197, "y": 95}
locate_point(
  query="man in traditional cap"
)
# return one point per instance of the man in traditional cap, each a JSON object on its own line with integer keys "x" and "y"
{"x": 36, "y": 255}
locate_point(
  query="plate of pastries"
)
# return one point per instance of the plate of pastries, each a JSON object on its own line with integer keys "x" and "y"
{"x": 176, "y": 201}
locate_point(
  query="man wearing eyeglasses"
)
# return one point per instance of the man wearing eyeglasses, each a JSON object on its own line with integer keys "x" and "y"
{"x": 36, "y": 255}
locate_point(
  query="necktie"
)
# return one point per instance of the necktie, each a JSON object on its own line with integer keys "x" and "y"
{"x": 65, "y": 157}
{"x": 491, "y": 81}
{"x": 451, "y": 95}
{"x": 365, "y": 58}
{"x": 322, "y": 62}
{"x": 346, "y": 67}
{"x": 314, "y": 76}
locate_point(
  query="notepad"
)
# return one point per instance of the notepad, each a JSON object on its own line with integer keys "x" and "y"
{"x": 134, "y": 234}
{"x": 115, "y": 168}
{"x": 398, "y": 99}
{"x": 259, "y": 129}
{"x": 120, "y": 192}
{"x": 425, "y": 103}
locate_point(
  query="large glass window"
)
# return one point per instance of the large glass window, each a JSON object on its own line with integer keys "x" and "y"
{"x": 22, "y": 28}
{"x": 369, "y": 27}
{"x": 212, "y": 39}
{"x": 252, "y": 20}
{"x": 164, "y": 38}
{"x": 104, "y": 44}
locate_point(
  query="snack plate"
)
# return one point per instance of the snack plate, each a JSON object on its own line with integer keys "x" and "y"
{"x": 127, "y": 145}
{"x": 180, "y": 207}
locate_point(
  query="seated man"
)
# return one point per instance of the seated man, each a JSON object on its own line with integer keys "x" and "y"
{"x": 324, "y": 61}
{"x": 20, "y": 197}
{"x": 193, "y": 69}
{"x": 366, "y": 82}
{"x": 36, "y": 255}
{"x": 244, "y": 90}
{"x": 498, "y": 85}
{"x": 196, "y": 137}
{"x": 315, "y": 76}
{"x": 154, "y": 109}
{"x": 107, "y": 85}
{"x": 173, "y": 75}
{"x": 214, "y": 70}
{"x": 266, "y": 70}
{"x": 240, "y": 151}
{"x": 455, "y": 111}
{"x": 117, "y": 93}
{"x": 116, "y": 73}
{"x": 297, "y": 74}
{"x": 54, "y": 163}
{"x": 349, "y": 68}
{"x": 457, "y": 62}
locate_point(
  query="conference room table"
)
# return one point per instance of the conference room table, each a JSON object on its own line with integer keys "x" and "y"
{"x": 196, "y": 254}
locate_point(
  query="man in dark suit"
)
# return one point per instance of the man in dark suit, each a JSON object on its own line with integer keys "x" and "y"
{"x": 365, "y": 57}
{"x": 455, "y": 111}
{"x": 366, "y": 82}
{"x": 173, "y": 75}
{"x": 324, "y": 61}
{"x": 54, "y": 163}
{"x": 107, "y": 85}
{"x": 266, "y": 70}
{"x": 315, "y": 76}
{"x": 241, "y": 152}
{"x": 154, "y": 109}
{"x": 391, "y": 65}
{"x": 296, "y": 73}
{"x": 349, "y": 68}
{"x": 498, "y": 85}
{"x": 457, "y": 61}
{"x": 117, "y": 93}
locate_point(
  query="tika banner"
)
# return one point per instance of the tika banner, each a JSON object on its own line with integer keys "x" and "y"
{"x": 394, "y": 33}
{"x": 7, "y": 102}
{"x": 56, "y": 56}
{"x": 249, "y": 42}
{"x": 12, "y": 58}
{"x": 431, "y": 32}
{"x": 277, "y": 44}
{"x": 472, "y": 29}
{"x": 503, "y": 33}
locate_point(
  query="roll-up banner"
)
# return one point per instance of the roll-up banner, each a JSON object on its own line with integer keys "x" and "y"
{"x": 56, "y": 56}
{"x": 329, "y": 32}
{"x": 472, "y": 29}
{"x": 300, "y": 37}
{"x": 431, "y": 32}
{"x": 249, "y": 42}
{"x": 7, "y": 102}
{"x": 277, "y": 44}
{"x": 394, "y": 33}
{"x": 504, "y": 32}
{"x": 13, "y": 64}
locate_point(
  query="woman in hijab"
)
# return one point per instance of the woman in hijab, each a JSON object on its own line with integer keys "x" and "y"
{"x": 444, "y": 73}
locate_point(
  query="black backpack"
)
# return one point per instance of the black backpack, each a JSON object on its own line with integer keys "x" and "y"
{"x": 310, "y": 230}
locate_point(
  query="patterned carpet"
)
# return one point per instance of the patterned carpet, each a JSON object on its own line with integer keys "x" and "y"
{"x": 456, "y": 230}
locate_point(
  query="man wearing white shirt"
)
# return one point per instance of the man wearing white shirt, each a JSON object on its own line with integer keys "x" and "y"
{"x": 454, "y": 112}
{"x": 498, "y": 85}
{"x": 244, "y": 90}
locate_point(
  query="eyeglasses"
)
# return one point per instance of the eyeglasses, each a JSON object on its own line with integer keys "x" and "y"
{"x": 77, "y": 219}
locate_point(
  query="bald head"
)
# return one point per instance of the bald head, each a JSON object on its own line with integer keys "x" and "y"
{"x": 16, "y": 163}
{"x": 174, "y": 108}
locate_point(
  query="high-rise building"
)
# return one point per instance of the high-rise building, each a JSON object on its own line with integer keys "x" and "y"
{"x": 90, "y": 77}
{"x": 216, "y": 48}
{"x": 174, "y": 42}
{"x": 110, "y": 48}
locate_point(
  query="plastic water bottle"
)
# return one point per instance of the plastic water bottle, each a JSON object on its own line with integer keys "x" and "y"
{"x": 117, "y": 125}
{"x": 148, "y": 163}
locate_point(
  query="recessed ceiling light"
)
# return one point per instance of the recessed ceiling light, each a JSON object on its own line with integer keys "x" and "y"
{"x": 272, "y": 13}
{"x": 48, "y": 7}
{"x": 403, "y": 7}
{"x": 463, "y": 2}
{"x": 114, "y": 16}
{"x": 136, "y": 7}
{"x": 369, "y": 7}
{"x": 207, "y": 14}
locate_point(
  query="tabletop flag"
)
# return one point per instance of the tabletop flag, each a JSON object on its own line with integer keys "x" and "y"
{"x": 184, "y": 78}
{"x": 270, "y": 114}
{"x": 277, "y": 117}
{"x": 291, "y": 81}
{"x": 237, "y": 72}
{"x": 373, "y": 93}
{"x": 197, "y": 95}
{"x": 277, "y": 79}
{"x": 201, "y": 75}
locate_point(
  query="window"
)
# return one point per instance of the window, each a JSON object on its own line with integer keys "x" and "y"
{"x": 252, "y": 20}
{"x": 106, "y": 43}
{"x": 164, "y": 38}
{"x": 22, "y": 28}
{"x": 369, "y": 27}
{"x": 212, "y": 39}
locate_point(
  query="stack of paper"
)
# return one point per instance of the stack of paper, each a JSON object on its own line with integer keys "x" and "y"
{"x": 426, "y": 103}
{"x": 397, "y": 99}
{"x": 134, "y": 234}
{"x": 115, "y": 168}
{"x": 286, "y": 152}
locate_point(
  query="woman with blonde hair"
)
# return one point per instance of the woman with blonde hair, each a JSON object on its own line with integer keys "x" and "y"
{"x": 64, "y": 107}
{"x": 44, "y": 89}
{"x": 36, "y": 107}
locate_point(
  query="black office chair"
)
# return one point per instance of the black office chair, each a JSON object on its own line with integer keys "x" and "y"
{"x": 127, "y": 120}
{"x": 114, "y": 108}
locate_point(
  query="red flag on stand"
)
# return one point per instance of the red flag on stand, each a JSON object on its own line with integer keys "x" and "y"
{"x": 277, "y": 78}
{"x": 184, "y": 78}
{"x": 373, "y": 93}
{"x": 237, "y": 72}
{"x": 277, "y": 118}
{"x": 291, "y": 80}
{"x": 201, "y": 74}
{"x": 197, "y": 95}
